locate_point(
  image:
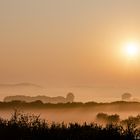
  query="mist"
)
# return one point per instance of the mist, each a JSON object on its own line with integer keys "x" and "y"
{"x": 74, "y": 112}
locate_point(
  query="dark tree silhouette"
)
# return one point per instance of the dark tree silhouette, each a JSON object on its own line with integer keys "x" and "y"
{"x": 108, "y": 119}
{"x": 70, "y": 97}
{"x": 126, "y": 97}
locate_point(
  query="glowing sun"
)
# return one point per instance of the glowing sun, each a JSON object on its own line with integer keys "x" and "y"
{"x": 131, "y": 49}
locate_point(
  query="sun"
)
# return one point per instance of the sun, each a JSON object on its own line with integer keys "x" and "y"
{"x": 131, "y": 49}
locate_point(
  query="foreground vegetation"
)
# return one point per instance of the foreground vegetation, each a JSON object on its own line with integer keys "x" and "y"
{"x": 30, "y": 127}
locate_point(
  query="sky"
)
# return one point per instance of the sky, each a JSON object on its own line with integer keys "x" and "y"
{"x": 69, "y": 43}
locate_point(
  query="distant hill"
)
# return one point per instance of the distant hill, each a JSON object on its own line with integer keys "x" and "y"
{"x": 23, "y": 88}
{"x": 19, "y": 85}
{"x": 44, "y": 99}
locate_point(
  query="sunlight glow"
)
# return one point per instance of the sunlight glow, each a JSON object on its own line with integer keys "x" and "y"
{"x": 131, "y": 49}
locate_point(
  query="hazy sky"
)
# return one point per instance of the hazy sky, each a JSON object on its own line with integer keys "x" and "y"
{"x": 68, "y": 42}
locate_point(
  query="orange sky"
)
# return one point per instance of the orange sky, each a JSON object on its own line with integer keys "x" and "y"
{"x": 68, "y": 43}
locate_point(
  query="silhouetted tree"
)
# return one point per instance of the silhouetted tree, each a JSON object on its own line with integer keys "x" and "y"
{"x": 70, "y": 97}
{"x": 108, "y": 119}
{"x": 126, "y": 97}
{"x": 112, "y": 119}
{"x": 102, "y": 117}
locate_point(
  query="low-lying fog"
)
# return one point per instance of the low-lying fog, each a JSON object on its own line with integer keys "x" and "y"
{"x": 70, "y": 115}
